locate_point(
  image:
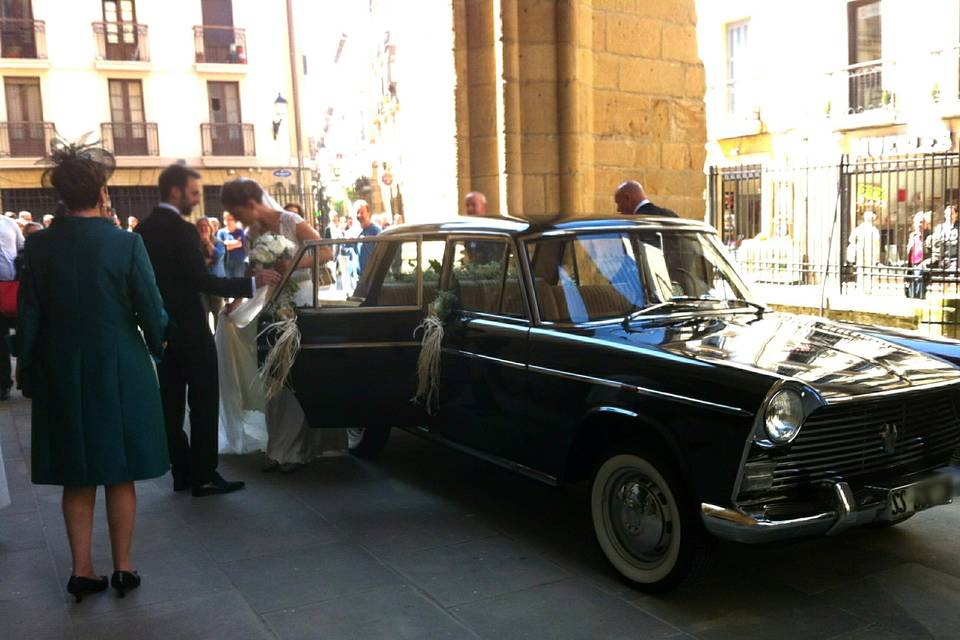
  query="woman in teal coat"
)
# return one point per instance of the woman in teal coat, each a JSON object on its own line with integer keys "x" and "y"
{"x": 87, "y": 289}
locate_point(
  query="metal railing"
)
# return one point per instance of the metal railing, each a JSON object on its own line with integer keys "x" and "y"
{"x": 23, "y": 38}
{"x": 130, "y": 138}
{"x": 121, "y": 41}
{"x": 867, "y": 226}
{"x": 227, "y": 139}
{"x": 25, "y": 139}
{"x": 865, "y": 90}
{"x": 220, "y": 45}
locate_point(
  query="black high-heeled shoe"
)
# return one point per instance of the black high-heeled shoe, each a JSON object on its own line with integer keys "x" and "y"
{"x": 124, "y": 581}
{"x": 78, "y": 586}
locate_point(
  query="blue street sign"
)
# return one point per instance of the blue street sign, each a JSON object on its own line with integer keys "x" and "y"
{"x": 283, "y": 173}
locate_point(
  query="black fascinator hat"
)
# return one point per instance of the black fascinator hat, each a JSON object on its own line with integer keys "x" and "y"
{"x": 77, "y": 171}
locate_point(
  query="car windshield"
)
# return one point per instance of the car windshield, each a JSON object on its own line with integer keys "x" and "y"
{"x": 590, "y": 277}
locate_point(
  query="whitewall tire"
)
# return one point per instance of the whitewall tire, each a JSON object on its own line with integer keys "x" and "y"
{"x": 644, "y": 522}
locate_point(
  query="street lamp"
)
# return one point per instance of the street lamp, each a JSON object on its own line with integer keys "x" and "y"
{"x": 279, "y": 111}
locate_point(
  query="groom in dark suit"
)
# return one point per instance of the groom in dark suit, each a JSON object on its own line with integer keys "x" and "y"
{"x": 188, "y": 372}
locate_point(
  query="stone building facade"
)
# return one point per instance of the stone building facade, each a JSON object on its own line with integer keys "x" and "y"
{"x": 558, "y": 101}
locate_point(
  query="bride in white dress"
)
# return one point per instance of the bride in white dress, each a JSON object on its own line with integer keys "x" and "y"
{"x": 290, "y": 442}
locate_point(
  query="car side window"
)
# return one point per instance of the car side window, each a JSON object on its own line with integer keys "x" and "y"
{"x": 389, "y": 277}
{"x": 586, "y": 278}
{"x": 485, "y": 277}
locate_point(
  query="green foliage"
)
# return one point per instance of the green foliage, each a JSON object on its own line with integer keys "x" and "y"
{"x": 485, "y": 271}
{"x": 444, "y": 304}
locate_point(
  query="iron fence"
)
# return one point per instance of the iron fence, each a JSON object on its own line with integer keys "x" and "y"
{"x": 874, "y": 226}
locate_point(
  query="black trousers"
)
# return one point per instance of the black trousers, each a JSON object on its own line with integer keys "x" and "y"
{"x": 188, "y": 374}
{"x": 6, "y": 381}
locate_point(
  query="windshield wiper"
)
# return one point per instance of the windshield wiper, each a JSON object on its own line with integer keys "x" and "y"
{"x": 675, "y": 302}
{"x": 688, "y": 302}
{"x": 759, "y": 308}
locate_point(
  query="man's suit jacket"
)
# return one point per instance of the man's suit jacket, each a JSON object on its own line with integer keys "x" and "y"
{"x": 651, "y": 209}
{"x": 182, "y": 276}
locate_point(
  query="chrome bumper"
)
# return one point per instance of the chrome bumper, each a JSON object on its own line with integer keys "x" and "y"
{"x": 754, "y": 526}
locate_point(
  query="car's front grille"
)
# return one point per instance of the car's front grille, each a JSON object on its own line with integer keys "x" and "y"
{"x": 862, "y": 438}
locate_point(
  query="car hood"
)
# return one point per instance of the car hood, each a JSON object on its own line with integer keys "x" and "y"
{"x": 837, "y": 360}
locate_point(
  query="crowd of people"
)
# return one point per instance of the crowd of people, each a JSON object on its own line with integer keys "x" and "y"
{"x": 931, "y": 249}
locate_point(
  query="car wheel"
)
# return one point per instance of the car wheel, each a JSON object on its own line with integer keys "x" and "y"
{"x": 645, "y": 523}
{"x": 367, "y": 442}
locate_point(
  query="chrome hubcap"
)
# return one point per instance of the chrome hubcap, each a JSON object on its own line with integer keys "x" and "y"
{"x": 639, "y": 514}
{"x": 355, "y": 436}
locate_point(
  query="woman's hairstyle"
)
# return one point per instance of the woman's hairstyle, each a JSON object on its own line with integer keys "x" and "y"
{"x": 237, "y": 193}
{"x": 80, "y": 170}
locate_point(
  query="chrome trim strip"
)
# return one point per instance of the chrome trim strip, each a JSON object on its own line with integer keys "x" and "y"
{"x": 890, "y": 392}
{"x": 479, "y": 356}
{"x": 615, "y": 410}
{"x": 307, "y": 311}
{"x": 497, "y": 460}
{"x": 750, "y": 528}
{"x": 360, "y": 345}
{"x": 641, "y": 390}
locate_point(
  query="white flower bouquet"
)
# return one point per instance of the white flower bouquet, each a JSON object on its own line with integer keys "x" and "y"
{"x": 268, "y": 251}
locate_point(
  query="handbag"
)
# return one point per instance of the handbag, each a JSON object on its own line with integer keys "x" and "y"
{"x": 8, "y": 298}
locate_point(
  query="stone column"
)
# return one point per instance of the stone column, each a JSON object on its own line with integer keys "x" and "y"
{"x": 558, "y": 101}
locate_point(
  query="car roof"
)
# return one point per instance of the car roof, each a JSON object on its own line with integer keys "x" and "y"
{"x": 523, "y": 228}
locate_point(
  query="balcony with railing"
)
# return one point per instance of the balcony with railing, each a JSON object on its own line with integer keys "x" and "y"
{"x": 23, "y": 39}
{"x": 25, "y": 139}
{"x": 220, "y": 45}
{"x": 863, "y": 94}
{"x": 130, "y": 138}
{"x": 227, "y": 139}
{"x": 123, "y": 42}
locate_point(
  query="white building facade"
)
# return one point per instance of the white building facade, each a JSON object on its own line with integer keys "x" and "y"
{"x": 194, "y": 81}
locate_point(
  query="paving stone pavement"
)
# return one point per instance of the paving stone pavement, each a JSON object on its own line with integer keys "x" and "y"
{"x": 428, "y": 543}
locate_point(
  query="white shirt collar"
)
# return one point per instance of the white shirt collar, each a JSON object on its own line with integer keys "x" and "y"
{"x": 167, "y": 205}
{"x": 642, "y": 202}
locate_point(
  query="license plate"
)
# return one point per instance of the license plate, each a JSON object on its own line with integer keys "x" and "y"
{"x": 905, "y": 500}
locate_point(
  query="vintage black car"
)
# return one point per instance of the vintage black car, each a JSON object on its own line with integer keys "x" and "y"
{"x": 630, "y": 353}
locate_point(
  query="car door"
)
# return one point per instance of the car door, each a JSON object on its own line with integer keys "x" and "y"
{"x": 483, "y": 392}
{"x": 356, "y": 365}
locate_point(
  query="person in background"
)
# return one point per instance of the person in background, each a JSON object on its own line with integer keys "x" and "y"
{"x": 11, "y": 244}
{"x": 863, "y": 250}
{"x": 231, "y": 235}
{"x": 632, "y": 200}
{"x": 398, "y": 218}
{"x": 915, "y": 287}
{"x": 47, "y": 220}
{"x": 294, "y": 207}
{"x": 944, "y": 241}
{"x": 214, "y": 224}
{"x": 30, "y": 228}
{"x": 214, "y": 253}
{"x": 25, "y": 217}
{"x": 368, "y": 229}
{"x": 478, "y": 251}
{"x": 90, "y": 315}
{"x": 116, "y": 220}
{"x": 132, "y": 223}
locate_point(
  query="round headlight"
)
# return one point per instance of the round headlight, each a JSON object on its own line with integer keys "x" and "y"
{"x": 784, "y": 416}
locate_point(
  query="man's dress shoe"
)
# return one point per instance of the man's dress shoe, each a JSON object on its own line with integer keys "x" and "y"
{"x": 217, "y": 485}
